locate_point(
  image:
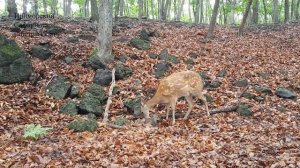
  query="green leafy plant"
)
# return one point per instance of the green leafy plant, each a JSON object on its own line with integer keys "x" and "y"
{"x": 34, "y": 131}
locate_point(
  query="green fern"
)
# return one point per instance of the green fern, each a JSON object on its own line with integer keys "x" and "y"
{"x": 34, "y": 131}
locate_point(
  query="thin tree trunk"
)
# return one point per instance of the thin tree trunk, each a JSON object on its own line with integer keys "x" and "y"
{"x": 297, "y": 10}
{"x": 197, "y": 11}
{"x": 45, "y": 7}
{"x": 180, "y": 11}
{"x": 35, "y": 7}
{"x": 241, "y": 29}
{"x": 158, "y": 9}
{"x": 275, "y": 15}
{"x": 117, "y": 8}
{"x": 94, "y": 11}
{"x": 286, "y": 11}
{"x": 121, "y": 7}
{"x": 254, "y": 19}
{"x": 152, "y": 9}
{"x": 213, "y": 20}
{"x": 69, "y": 9}
{"x": 265, "y": 11}
{"x": 201, "y": 11}
{"x": 232, "y": 8}
{"x": 292, "y": 9}
{"x": 11, "y": 8}
{"x": 25, "y": 6}
{"x": 224, "y": 12}
{"x": 140, "y": 9}
{"x": 105, "y": 32}
{"x": 175, "y": 9}
{"x": 190, "y": 12}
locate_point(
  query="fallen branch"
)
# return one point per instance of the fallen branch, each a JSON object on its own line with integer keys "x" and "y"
{"x": 114, "y": 126}
{"x": 109, "y": 101}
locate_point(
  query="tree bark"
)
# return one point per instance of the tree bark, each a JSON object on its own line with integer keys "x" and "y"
{"x": 105, "y": 32}
{"x": 45, "y": 7}
{"x": 254, "y": 19}
{"x": 201, "y": 11}
{"x": 213, "y": 20}
{"x": 152, "y": 9}
{"x": 190, "y": 12}
{"x": 275, "y": 15}
{"x": 121, "y": 9}
{"x": 197, "y": 11}
{"x": 232, "y": 7}
{"x": 224, "y": 13}
{"x": 94, "y": 11}
{"x": 241, "y": 29}
{"x": 35, "y": 7}
{"x": 286, "y": 11}
{"x": 265, "y": 11}
{"x": 11, "y": 8}
{"x": 141, "y": 8}
{"x": 297, "y": 10}
{"x": 178, "y": 17}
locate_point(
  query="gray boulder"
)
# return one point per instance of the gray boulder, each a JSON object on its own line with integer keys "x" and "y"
{"x": 59, "y": 87}
{"x": 285, "y": 93}
{"x": 92, "y": 100}
{"x": 41, "y": 51}
{"x": 140, "y": 44}
{"x": 164, "y": 55}
{"x": 161, "y": 68}
{"x": 103, "y": 77}
{"x": 122, "y": 71}
{"x": 14, "y": 65}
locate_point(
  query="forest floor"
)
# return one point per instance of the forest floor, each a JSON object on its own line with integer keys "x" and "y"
{"x": 268, "y": 138}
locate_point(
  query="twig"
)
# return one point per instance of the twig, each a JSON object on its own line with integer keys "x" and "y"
{"x": 109, "y": 101}
{"x": 114, "y": 126}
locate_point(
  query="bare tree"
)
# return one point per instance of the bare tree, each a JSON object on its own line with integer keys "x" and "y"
{"x": 179, "y": 13}
{"x": 105, "y": 32}
{"x": 11, "y": 8}
{"x": 297, "y": 10}
{"x": 241, "y": 29}
{"x": 213, "y": 20}
{"x": 141, "y": 8}
{"x": 265, "y": 11}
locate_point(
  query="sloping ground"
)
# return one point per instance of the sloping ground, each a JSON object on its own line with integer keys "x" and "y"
{"x": 268, "y": 138}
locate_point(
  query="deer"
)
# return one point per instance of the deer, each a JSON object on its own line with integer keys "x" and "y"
{"x": 186, "y": 84}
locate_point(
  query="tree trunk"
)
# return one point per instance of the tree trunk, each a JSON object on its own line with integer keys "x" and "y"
{"x": 197, "y": 11}
{"x": 168, "y": 8}
{"x": 152, "y": 10}
{"x": 292, "y": 9}
{"x": 232, "y": 7}
{"x": 201, "y": 11}
{"x": 213, "y": 20}
{"x": 117, "y": 8}
{"x": 224, "y": 13}
{"x": 105, "y": 32}
{"x": 25, "y": 2}
{"x": 241, "y": 29}
{"x": 69, "y": 9}
{"x": 275, "y": 15}
{"x": 286, "y": 11}
{"x": 178, "y": 17}
{"x": 45, "y": 7}
{"x": 87, "y": 8}
{"x": 11, "y": 8}
{"x": 265, "y": 11}
{"x": 94, "y": 11}
{"x": 35, "y": 7}
{"x": 190, "y": 12}
{"x": 175, "y": 9}
{"x": 141, "y": 9}
{"x": 297, "y": 10}
{"x": 255, "y": 8}
{"x": 158, "y": 9}
{"x": 121, "y": 8}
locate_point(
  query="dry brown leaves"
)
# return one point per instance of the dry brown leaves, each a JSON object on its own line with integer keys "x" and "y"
{"x": 267, "y": 139}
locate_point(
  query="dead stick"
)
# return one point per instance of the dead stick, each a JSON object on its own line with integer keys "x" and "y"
{"x": 109, "y": 101}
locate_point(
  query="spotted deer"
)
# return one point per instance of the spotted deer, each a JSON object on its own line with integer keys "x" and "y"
{"x": 186, "y": 84}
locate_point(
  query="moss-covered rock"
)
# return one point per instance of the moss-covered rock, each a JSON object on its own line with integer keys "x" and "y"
{"x": 93, "y": 100}
{"x": 95, "y": 62}
{"x": 244, "y": 110}
{"x": 140, "y": 44}
{"x": 41, "y": 51}
{"x": 164, "y": 55}
{"x": 69, "y": 108}
{"x": 90, "y": 125}
{"x": 122, "y": 71}
{"x": 14, "y": 65}
{"x": 59, "y": 87}
{"x": 133, "y": 106}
